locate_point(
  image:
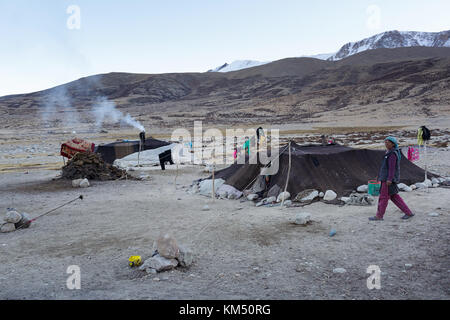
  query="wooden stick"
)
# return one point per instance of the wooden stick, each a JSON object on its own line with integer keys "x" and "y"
{"x": 213, "y": 194}
{"x": 288, "y": 174}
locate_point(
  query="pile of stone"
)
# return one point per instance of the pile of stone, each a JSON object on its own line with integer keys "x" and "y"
{"x": 167, "y": 255}
{"x": 88, "y": 165}
{"x": 14, "y": 220}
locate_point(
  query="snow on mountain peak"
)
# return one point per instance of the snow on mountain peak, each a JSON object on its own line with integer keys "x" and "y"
{"x": 394, "y": 39}
{"x": 238, "y": 65}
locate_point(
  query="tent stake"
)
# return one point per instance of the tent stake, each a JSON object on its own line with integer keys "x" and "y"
{"x": 287, "y": 179}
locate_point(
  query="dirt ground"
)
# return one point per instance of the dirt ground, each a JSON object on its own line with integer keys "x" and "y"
{"x": 241, "y": 251}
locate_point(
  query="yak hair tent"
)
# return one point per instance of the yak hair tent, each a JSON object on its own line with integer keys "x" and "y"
{"x": 321, "y": 167}
{"x": 118, "y": 150}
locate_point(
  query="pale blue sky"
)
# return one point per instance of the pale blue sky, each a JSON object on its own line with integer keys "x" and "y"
{"x": 38, "y": 51}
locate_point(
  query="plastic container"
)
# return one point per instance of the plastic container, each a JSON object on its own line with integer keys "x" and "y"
{"x": 374, "y": 187}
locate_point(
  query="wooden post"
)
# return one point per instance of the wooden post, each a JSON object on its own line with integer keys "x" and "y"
{"x": 288, "y": 174}
{"x": 213, "y": 194}
{"x": 139, "y": 153}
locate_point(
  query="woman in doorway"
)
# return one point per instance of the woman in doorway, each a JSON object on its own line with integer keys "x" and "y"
{"x": 389, "y": 176}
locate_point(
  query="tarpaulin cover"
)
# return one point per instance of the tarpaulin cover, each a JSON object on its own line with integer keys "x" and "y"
{"x": 118, "y": 150}
{"x": 322, "y": 167}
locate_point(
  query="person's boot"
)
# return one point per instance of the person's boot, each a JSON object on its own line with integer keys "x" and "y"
{"x": 407, "y": 216}
{"x": 375, "y": 218}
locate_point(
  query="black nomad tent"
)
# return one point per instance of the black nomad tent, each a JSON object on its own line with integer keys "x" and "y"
{"x": 321, "y": 167}
{"x": 118, "y": 150}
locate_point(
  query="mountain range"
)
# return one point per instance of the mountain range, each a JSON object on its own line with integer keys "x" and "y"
{"x": 388, "y": 39}
{"x": 376, "y": 85}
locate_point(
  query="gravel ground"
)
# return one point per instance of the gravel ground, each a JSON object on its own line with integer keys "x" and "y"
{"x": 241, "y": 251}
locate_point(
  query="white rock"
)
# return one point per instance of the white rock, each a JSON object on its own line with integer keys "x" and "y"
{"x": 435, "y": 185}
{"x": 7, "y": 227}
{"x": 205, "y": 208}
{"x": 302, "y": 218}
{"x": 413, "y": 187}
{"x": 433, "y": 214}
{"x": 408, "y": 265}
{"x": 76, "y": 183}
{"x": 339, "y": 270}
{"x": 185, "y": 257}
{"x": 159, "y": 263}
{"x": 407, "y": 189}
{"x": 287, "y": 203}
{"x": 310, "y": 197}
{"x": 12, "y": 216}
{"x": 401, "y": 186}
{"x": 167, "y": 247}
{"x": 329, "y": 195}
{"x": 270, "y": 200}
{"x": 435, "y": 181}
{"x": 84, "y": 183}
{"x": 363, "y": 188}
{"x": 441, "y": 180}
{"x": 428, "y": 183}
{"x": 421, "y": 185}
{"x": 345, "y": 199}
{"x": 252, "y": 196}
{"x": 321, "y": 194}
{"x": 283, "y": 195}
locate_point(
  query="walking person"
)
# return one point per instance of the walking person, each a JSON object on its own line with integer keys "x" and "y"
{"x": 389, "y": 176}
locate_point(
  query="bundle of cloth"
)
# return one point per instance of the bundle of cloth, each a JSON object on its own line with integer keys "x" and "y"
{"x": 71, "y": 147}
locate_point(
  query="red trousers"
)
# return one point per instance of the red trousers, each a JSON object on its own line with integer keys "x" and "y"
{"x": 384, "y": 199}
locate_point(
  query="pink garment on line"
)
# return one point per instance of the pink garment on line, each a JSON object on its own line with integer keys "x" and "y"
{"x": 384, "y": 199}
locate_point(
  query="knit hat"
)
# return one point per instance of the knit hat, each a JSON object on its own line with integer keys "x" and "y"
{"x": 393, "y": 140}
{"x": 396, "y": 149}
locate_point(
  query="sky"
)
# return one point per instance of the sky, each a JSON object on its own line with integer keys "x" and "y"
{"x": 50, "y": 42}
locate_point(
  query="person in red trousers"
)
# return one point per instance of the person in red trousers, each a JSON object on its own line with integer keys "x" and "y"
{"x": 389, "y": 176}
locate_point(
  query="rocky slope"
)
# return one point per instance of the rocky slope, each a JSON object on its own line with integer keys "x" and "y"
{"x": 408, "y": 80}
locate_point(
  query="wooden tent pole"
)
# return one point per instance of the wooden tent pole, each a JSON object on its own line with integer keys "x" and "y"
{"x": 288, "y": 174}
{"x": 213, "y": 195}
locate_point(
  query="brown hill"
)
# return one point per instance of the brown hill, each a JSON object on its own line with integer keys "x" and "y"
{"x": 288, "y": 90}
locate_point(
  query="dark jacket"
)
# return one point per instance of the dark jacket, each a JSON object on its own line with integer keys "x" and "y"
{"x": 384, "y": 170}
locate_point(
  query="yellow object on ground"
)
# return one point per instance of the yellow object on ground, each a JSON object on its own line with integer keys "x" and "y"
{"x": 135, "y": 261}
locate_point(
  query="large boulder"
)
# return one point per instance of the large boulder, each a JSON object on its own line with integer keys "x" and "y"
{"x": 167, "y": 247}
{"x": 329, "y": 195}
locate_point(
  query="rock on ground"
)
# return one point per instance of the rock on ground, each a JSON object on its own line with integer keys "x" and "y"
{"x": 185, "y": 257}
{"x": 302, "y": 218}
{"x": 7, "y": 227}
{"x": 12, "y": 216}
{"x": 339, "y": 270}
{"x": 159, "y": 263}
{"x": 167, "y": 247}
{"x": 307, "y": 195}
{"x": 252, "y": 196}
{"x": 329, "y": 195}
{"x": 363, "y": 188}
{"x": 283, "y": 195}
